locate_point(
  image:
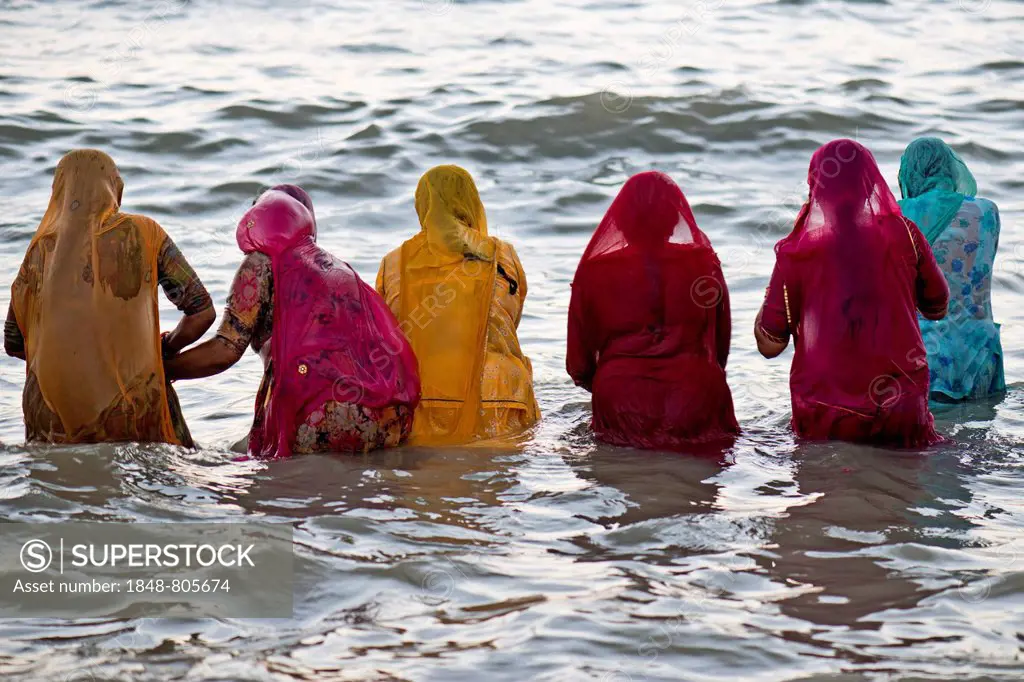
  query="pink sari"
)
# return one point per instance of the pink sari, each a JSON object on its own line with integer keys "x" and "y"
{"x": 847, "y": 285}
{"x": 333, "y": 339}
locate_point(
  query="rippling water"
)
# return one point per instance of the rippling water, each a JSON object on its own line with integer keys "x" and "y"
{"x": 560, "y": 560}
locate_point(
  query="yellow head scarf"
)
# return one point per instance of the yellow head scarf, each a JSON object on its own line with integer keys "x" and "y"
{"x": 452, "y": 217}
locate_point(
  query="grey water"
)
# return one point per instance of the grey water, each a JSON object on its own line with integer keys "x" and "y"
{"x": 559, "y": 559}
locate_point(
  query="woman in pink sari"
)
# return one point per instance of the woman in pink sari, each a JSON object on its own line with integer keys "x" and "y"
{"x": 847, "y": 285}
{"x": 339, "y": 375}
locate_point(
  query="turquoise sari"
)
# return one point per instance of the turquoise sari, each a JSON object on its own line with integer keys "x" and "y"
{"x": 965, "y": 354}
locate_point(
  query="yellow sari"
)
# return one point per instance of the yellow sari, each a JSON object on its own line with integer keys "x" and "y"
{"x": 85, "y": 300}
{"x": 458, "y": 296}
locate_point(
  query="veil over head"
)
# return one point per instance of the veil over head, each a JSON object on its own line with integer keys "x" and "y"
{"x": 276, "y": 222}
{"x": 934, "y": 182}
{"x": 649, "y": 211}
{"x": 300, "y": 195}
{"x": 452, "y": 218}
{"x": 929, "y": 163}
{"x": 848, "y": 196}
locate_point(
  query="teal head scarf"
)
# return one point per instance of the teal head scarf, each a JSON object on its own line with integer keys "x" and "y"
{"x": 934, "y": 182}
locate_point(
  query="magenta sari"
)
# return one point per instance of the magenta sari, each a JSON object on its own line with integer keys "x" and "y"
{"x": 847, "y": 285}
{"x": 334, "y": 338}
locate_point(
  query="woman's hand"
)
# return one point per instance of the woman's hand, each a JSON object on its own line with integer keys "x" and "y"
{"x": 766, "y": 345}
{"x": 189, "y": 330}
{"x": 206, "y": 359}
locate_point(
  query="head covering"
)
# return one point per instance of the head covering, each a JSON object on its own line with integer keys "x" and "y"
{"x": 934, "y": 182}
{"x": 275, "y": 223}
{"x": 88, "y": 307}
{"x": 649, "y": 211}
{"x": 650, "y": 219}
{"x": 301, "y": 196}
{"x": 848, "y": 197}
{"x": 333, "y": 336}
{"x": 87, "y": 189}
{"x": 452, "y": 217}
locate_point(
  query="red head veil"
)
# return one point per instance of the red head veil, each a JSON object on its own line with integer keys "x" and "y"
{"x": 649, "y": 211}
{"x": 648, "y": 229}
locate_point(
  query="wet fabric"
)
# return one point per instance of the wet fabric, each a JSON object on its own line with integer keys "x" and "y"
{"x": 649, "y": 324}
{"x": 965, "y": 353}
{"x": 459, "y": 295}
{"x": 349, "y": 427}
{"x": 334, "y": 342}
{"x": 933, "y": 182}
{"x": 85, "y": 302}
{"x": 847, "y": 283}
{"x": 334, "y": 427}
{"x": 248, "y": 319}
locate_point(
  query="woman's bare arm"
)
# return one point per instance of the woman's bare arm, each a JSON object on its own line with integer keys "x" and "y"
{"x": 205, "y": 360}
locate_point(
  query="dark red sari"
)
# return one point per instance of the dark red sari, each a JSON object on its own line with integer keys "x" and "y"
{"x": 649, "y": 324}
{"x": 847, "y": 285}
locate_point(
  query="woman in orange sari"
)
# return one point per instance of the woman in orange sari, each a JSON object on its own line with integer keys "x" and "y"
{"x": 84, "y": 315}
{"x": 458, "y": 295}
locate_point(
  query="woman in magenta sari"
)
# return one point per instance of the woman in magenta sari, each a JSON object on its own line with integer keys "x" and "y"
{"x": 649, "y": 324}
{"x": 847, "y": 285}
{"x": 339, "y": 375}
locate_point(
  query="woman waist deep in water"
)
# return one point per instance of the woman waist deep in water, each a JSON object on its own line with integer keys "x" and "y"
{"x": 84, "y": 315}
{"x": 965, "y": 353}
{"x": 338, "y": 374}
{"x": 649, "y": 324}
{"x": 458, "y": 294}
{"x": 847, "y": 285}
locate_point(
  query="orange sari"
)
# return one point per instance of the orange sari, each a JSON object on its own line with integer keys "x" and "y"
{"x": 85, "y": 300}
{"x": 458, "y": 296}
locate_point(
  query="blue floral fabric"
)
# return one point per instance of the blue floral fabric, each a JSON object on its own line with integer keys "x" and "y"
{"x": 965, "y": 355}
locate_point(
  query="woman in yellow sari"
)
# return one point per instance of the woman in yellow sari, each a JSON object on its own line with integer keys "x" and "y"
{"x": 84, "y": 315}
{"x": 458, "y": 295}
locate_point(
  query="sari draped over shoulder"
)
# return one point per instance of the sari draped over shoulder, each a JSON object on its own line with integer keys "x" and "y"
{"x": 334, "y": 345}
{"x": 649, "y": 324}
{"x": 847, "y": 283}
{"x": 458, "y": 295}
{"x": 965, "y": 352}
{"x": 86, "y": 302}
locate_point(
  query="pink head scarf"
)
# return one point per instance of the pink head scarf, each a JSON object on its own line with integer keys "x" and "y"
{"x": 848, "y": 198}
{"x": 333, "y": 337}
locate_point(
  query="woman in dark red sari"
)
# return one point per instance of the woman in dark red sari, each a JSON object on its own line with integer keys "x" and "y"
{"x": 847, "y": 285}
{"x": 649, "y": 324}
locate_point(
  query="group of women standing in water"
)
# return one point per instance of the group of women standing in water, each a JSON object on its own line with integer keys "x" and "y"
{"x": 883, "y": 299}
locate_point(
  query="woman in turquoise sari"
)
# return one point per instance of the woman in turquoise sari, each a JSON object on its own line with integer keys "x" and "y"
{"x": 964, "y": 351}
